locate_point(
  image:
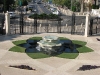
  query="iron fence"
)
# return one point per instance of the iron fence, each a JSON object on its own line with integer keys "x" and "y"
{"x": 25, "y": 26}
{"x": 2, "y": 20}
{"x": 94, "y": 27}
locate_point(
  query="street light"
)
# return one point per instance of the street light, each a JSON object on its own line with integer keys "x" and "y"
{"x": 21, "y": 16}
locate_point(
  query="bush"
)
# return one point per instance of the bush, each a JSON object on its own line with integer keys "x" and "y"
{"x": 95, "y": 6}
{"x": 45, "y": 16}
{"x": 73, "y": 8}
{"x": 53, "y": 16}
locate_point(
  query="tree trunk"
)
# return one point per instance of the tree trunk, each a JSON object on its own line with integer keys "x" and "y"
{"x": 82, "y": 4}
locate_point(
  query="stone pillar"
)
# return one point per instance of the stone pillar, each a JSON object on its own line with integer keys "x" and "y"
{"x": 87, "y": 25}
{"x": 7, "y": 23}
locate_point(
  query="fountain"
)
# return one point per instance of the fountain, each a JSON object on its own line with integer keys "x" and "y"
{"x": 50, "y": 45}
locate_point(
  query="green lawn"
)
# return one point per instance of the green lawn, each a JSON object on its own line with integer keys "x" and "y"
{"x": 37, "y": 55}
{"x": 84, "y": 49}
{"x": 80, "y": 46}
{"x": 68, "y": 55}
{"x": 17, "y": 49}
{"x": 19, "y": 42}
{"x": 79, "y": 42}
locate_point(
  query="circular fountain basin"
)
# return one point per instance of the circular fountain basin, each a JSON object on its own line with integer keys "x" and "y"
{"x": 50, "y": 44}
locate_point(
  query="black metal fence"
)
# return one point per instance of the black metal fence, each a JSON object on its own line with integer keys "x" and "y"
{"x": 25, "y": 26}
{"x": 2, "y": 19}
{"x": 94, "y": 27}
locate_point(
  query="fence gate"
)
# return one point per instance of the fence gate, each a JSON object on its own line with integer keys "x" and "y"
{"x": 22, "y": 25}
{"x": 94, "y": 27}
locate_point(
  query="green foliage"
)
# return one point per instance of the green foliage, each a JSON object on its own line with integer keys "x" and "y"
{"x": 6, "y": 4}
{"x": 44, "y": 16}
{"x": 95, "y": 6}
{"x": 73, "y": 8}
{"x": 76, "y": 6}
{"x": 53, "y": 16}
{"x": 24, "y": 2}
{"x": 1, "y": 1}
{"x": 21, "y": 2}
{"x": 67, "y": 3}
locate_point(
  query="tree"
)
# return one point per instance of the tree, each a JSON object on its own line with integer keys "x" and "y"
{"x": 22, "y": 2}
{"x": 1, "y": 1}
{"x": 63, "y": 2}
{"x": 67, "y": 3}
{"x": 6, "y": 4}
{"x": 82, "y": 5}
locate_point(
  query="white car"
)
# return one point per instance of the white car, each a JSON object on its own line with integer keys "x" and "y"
{"x": 55, "y": 11}
{"x": 12, "y": 14}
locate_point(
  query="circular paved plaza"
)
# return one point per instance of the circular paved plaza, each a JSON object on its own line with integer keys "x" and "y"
{"x": 51, "y": 65}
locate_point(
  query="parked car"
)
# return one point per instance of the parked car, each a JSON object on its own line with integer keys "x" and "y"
{"x": 12, "y": 14}
{"x": 55, "y": 11}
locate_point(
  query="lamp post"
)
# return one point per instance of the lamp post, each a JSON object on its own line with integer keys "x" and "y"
{"x": 21, "y": 17}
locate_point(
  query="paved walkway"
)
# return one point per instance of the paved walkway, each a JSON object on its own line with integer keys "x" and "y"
{"x": 52, "y": 65}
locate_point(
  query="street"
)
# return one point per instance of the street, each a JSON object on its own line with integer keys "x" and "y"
{"x": 66, "y": 22}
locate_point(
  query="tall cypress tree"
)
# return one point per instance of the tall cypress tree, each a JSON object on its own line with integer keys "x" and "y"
{"x": 6, "y": 4}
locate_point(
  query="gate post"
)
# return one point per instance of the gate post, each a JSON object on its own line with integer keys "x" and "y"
{"x": 21, "y": 21}
{"x": 87, "y": 25}
{"x": 91, "y": 26}
{"x": 59, "y": 26}
{"x": 35, "y": 24}
{"x": 73, "y": 24}
{"x": 7, "y": 23}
